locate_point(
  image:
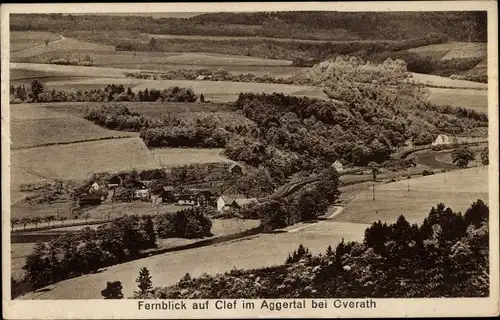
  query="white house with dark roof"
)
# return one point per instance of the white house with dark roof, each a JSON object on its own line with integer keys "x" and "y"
{"x": 338, "y": 166}
{"x": 226, "y": 202}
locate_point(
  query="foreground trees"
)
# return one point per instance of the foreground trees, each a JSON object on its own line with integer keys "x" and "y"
{"x": 118, "y": 241}
{"x": 446, "y": 256}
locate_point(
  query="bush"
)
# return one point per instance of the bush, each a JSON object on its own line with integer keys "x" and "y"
{"x": 427, "y": 172}
{"x": 189, "y": 223}
{"x": 113, "y": 290}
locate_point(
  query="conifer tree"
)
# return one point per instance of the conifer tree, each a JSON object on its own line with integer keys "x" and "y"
{"x": 144, "y": 281}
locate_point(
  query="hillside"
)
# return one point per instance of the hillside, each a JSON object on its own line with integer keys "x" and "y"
{"x": 297, "y": 25}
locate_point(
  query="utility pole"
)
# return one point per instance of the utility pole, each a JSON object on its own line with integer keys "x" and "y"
{"x": 373, "y": 192}
{"x": 409, "y": 177}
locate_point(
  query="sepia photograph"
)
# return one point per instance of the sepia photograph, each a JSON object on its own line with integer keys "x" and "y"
{"x": 272, "y": 160}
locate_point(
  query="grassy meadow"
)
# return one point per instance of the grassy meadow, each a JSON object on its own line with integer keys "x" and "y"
{"x": 393, "y": 199}
{"x": 243, "y": 253}
{"x": 172, "y": 157}
{"x": 77, "y": 161}
{"x": 453, "y": 50}
{"x": 20, "y": 40}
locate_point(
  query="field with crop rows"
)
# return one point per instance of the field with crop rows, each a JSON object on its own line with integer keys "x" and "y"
{"x": 393, "y": 199}
{"x": 20, "y": 40}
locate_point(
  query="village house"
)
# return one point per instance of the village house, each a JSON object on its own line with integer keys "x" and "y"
{"x": 114, "y": 182}
{"x": 168, "y": 194}
{"x": 226, "y": 202}
{"x": 441, "y": 139}
{"x": 235, "y": 168}
{"x": 94, "y": 187}
{"x": 203, "y": 197}
{"x": 186, "y": 199}
{"x": 92, "y": 198}
{"x": 142, "y": 194}
{"x": 338, "y": 166}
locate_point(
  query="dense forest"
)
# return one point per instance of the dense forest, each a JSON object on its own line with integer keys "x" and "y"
{"x": 287, "y": 134}
{"x": 445, "y": 256}
{"x": 318, "y": 25}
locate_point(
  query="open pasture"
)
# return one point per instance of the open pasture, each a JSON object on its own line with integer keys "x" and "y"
{"x": 20, "y": 40}
{"x": 172, "y": 157}
{"x": 444, "y": 82}
{"x": 226, "y": 91}
{"x": 77, "y": 161}
{"x": 465, "y": 98}
{"x": 39, "y": 132}
{"x": 33, "y": 126}
{"x": 221, "y": 59}
{"x": 214, "y": 91}
{"x": 453, "y": 50}
{"x": 150, "y": 109}
{"x": 62, "y": 44}
{"x": 67, "y": 71}
{"x": 19, "y": 251}
{"x": 243, "y": 253}
{"x": 340, "y": 32}
{"x": 461, "y": 188}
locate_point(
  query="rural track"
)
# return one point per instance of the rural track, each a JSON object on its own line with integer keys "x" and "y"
{"x": 61, "y": 38}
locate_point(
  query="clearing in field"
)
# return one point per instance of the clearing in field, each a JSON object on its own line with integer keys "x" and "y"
{"x": 77, "y": 161}
{"x": 465, "y": 98}
{"x": 174, "y": 157}
{"x": 453, "y": 50}
{"x": 33, "y": 126}
{"x": 20, "y": 40}
{"x": 461, "y": 188}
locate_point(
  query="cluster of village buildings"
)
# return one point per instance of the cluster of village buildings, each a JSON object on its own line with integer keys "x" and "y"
{"x": 169, "y": 194}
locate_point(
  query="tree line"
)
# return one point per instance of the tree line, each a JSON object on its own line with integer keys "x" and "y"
{"x": 37, "y": 92}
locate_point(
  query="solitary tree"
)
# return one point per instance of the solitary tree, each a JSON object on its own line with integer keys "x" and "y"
{"x": 202, "y": 98}
{"x": 144, "y": 281}
{"x": 49, "y": 219}
{"x": 152, "y": 43}
{"x": 113, "y": 290}
{"x": 461, "y": 156}
{"x": 485, "y": 160}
